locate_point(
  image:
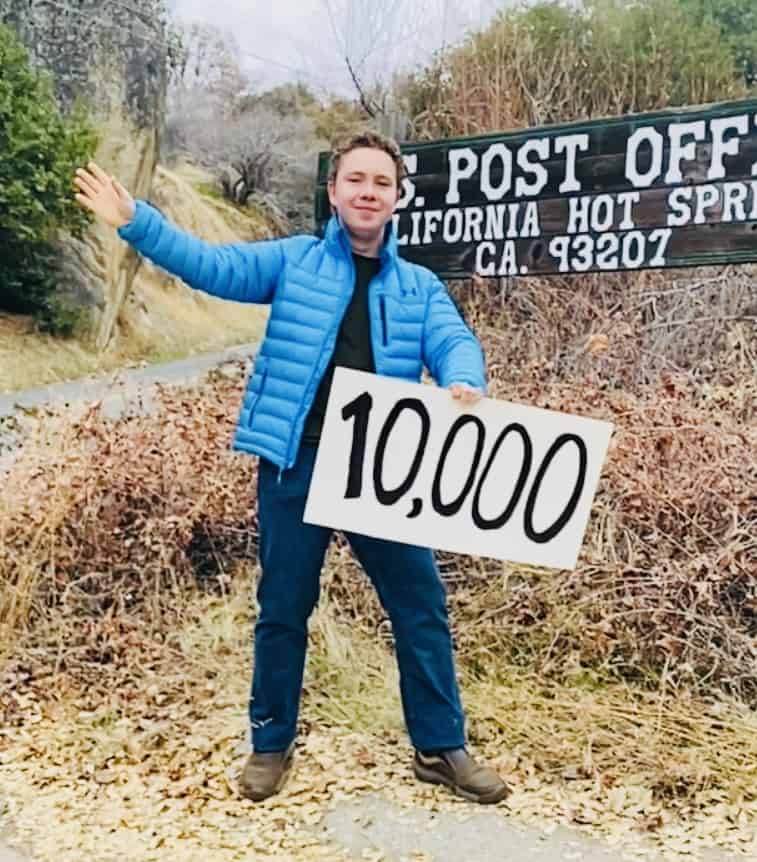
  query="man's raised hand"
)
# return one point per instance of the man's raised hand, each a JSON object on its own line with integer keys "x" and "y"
{"x": 104, "y": 196}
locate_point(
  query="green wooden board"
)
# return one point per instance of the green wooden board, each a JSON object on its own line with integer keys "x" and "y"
{"x": 657, "y": 190}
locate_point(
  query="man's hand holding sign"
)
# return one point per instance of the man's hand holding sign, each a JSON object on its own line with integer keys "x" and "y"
{"x": 403, "y": 461}
{"x": 465, "y": 394}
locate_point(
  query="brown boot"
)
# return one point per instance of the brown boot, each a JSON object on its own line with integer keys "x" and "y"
{"x": 265, "y": 773}
{"x": 457, "y": 769}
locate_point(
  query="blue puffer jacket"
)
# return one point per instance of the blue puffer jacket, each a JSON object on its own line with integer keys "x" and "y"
{"x": 308, "y": 282}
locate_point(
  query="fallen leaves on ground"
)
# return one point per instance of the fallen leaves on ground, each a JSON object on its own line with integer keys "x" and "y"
{"x": 149, "y": 768}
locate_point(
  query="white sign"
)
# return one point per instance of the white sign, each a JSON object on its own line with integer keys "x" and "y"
{"x": 405, "y": 461}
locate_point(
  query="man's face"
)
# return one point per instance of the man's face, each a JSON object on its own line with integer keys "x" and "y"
{"x": 365, "y": 191}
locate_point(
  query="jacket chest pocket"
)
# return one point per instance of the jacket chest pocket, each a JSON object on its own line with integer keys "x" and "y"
{"x": 401, "y": 322}
{"x": 382, "y": 315}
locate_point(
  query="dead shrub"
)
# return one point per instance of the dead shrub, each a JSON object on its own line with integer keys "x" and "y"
{"x": 103, "y": 520}
{"x": 98, "y": 516}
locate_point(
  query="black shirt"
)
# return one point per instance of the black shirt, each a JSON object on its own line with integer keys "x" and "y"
{"x": 353, "y": 347}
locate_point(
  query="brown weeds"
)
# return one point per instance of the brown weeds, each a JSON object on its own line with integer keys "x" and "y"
{"x": 634, "y": 670}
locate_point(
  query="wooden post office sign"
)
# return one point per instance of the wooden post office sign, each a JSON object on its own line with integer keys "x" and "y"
{"x": 665, "y": 189}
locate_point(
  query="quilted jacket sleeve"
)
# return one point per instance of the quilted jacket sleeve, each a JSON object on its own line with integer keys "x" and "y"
{"x": 244, "y": 272}
{"x": 451, "y": 352}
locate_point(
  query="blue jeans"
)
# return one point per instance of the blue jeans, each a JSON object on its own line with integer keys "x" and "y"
{"x": 408, "y": 586}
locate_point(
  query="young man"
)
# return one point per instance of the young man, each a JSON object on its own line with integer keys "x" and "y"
{"x": 345, "y": 300}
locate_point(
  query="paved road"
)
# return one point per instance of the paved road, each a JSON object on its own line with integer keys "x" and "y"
{"x": 370, "y": 824}
{"x": 7, "y": 854}
{"x": 114, "y": 387}
{"x": 129, "y": 389}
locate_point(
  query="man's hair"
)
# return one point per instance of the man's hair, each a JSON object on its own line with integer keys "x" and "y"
{"x": 373, "y": 140}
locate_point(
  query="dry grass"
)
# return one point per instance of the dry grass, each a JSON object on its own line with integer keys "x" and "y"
{"x": 666, "y": 581}
{"x": 696, "y": 326}
{"x": 158, "y": 737}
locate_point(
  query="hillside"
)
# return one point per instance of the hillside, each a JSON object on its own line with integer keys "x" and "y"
{"x": 162, "y": 318}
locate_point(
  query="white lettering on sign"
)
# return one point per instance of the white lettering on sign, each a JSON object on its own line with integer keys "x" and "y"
{"x": 531, "y": 225}
{"x": 403, "y": 461}
{"x": 627, "y": 201}
{"x": 734, "y": 201}
{"x": 499, "y": 154}
{"x": 729, "y": 202}
{"x": 680, "y": 151}
{"x": 462, "y": 166}
{"x": 598, "y": 213}
{"x": 470, "y": 224}
{"x": 679, "y": 208}
{"x": 722, "y": 133}
{"x": 508, "y": 264}
{"x": 570, "y": 145}
{"x": 500, "y": 160}
{"x": 432, "y": 217}
{"x": 408, "y": 186}
{"x": 652, "y": 139}
{"x": 722, "y": 147}
{"x": 540, "y": 146}
{"x": 474, "y": 218}
{"x": 578, "y": 214}
{"x": 517, "y": 187}
{"x": 692, "y": 205}
{"x": 610, "y": 251}
{"x": 452, "y": 229}
{"x": 708, "y": 197}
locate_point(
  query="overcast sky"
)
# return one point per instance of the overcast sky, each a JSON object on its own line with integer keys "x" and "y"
{"x": 289, "y": 40}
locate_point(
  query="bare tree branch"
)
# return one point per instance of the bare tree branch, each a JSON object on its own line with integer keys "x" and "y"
{"x": 361, "y": 95}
